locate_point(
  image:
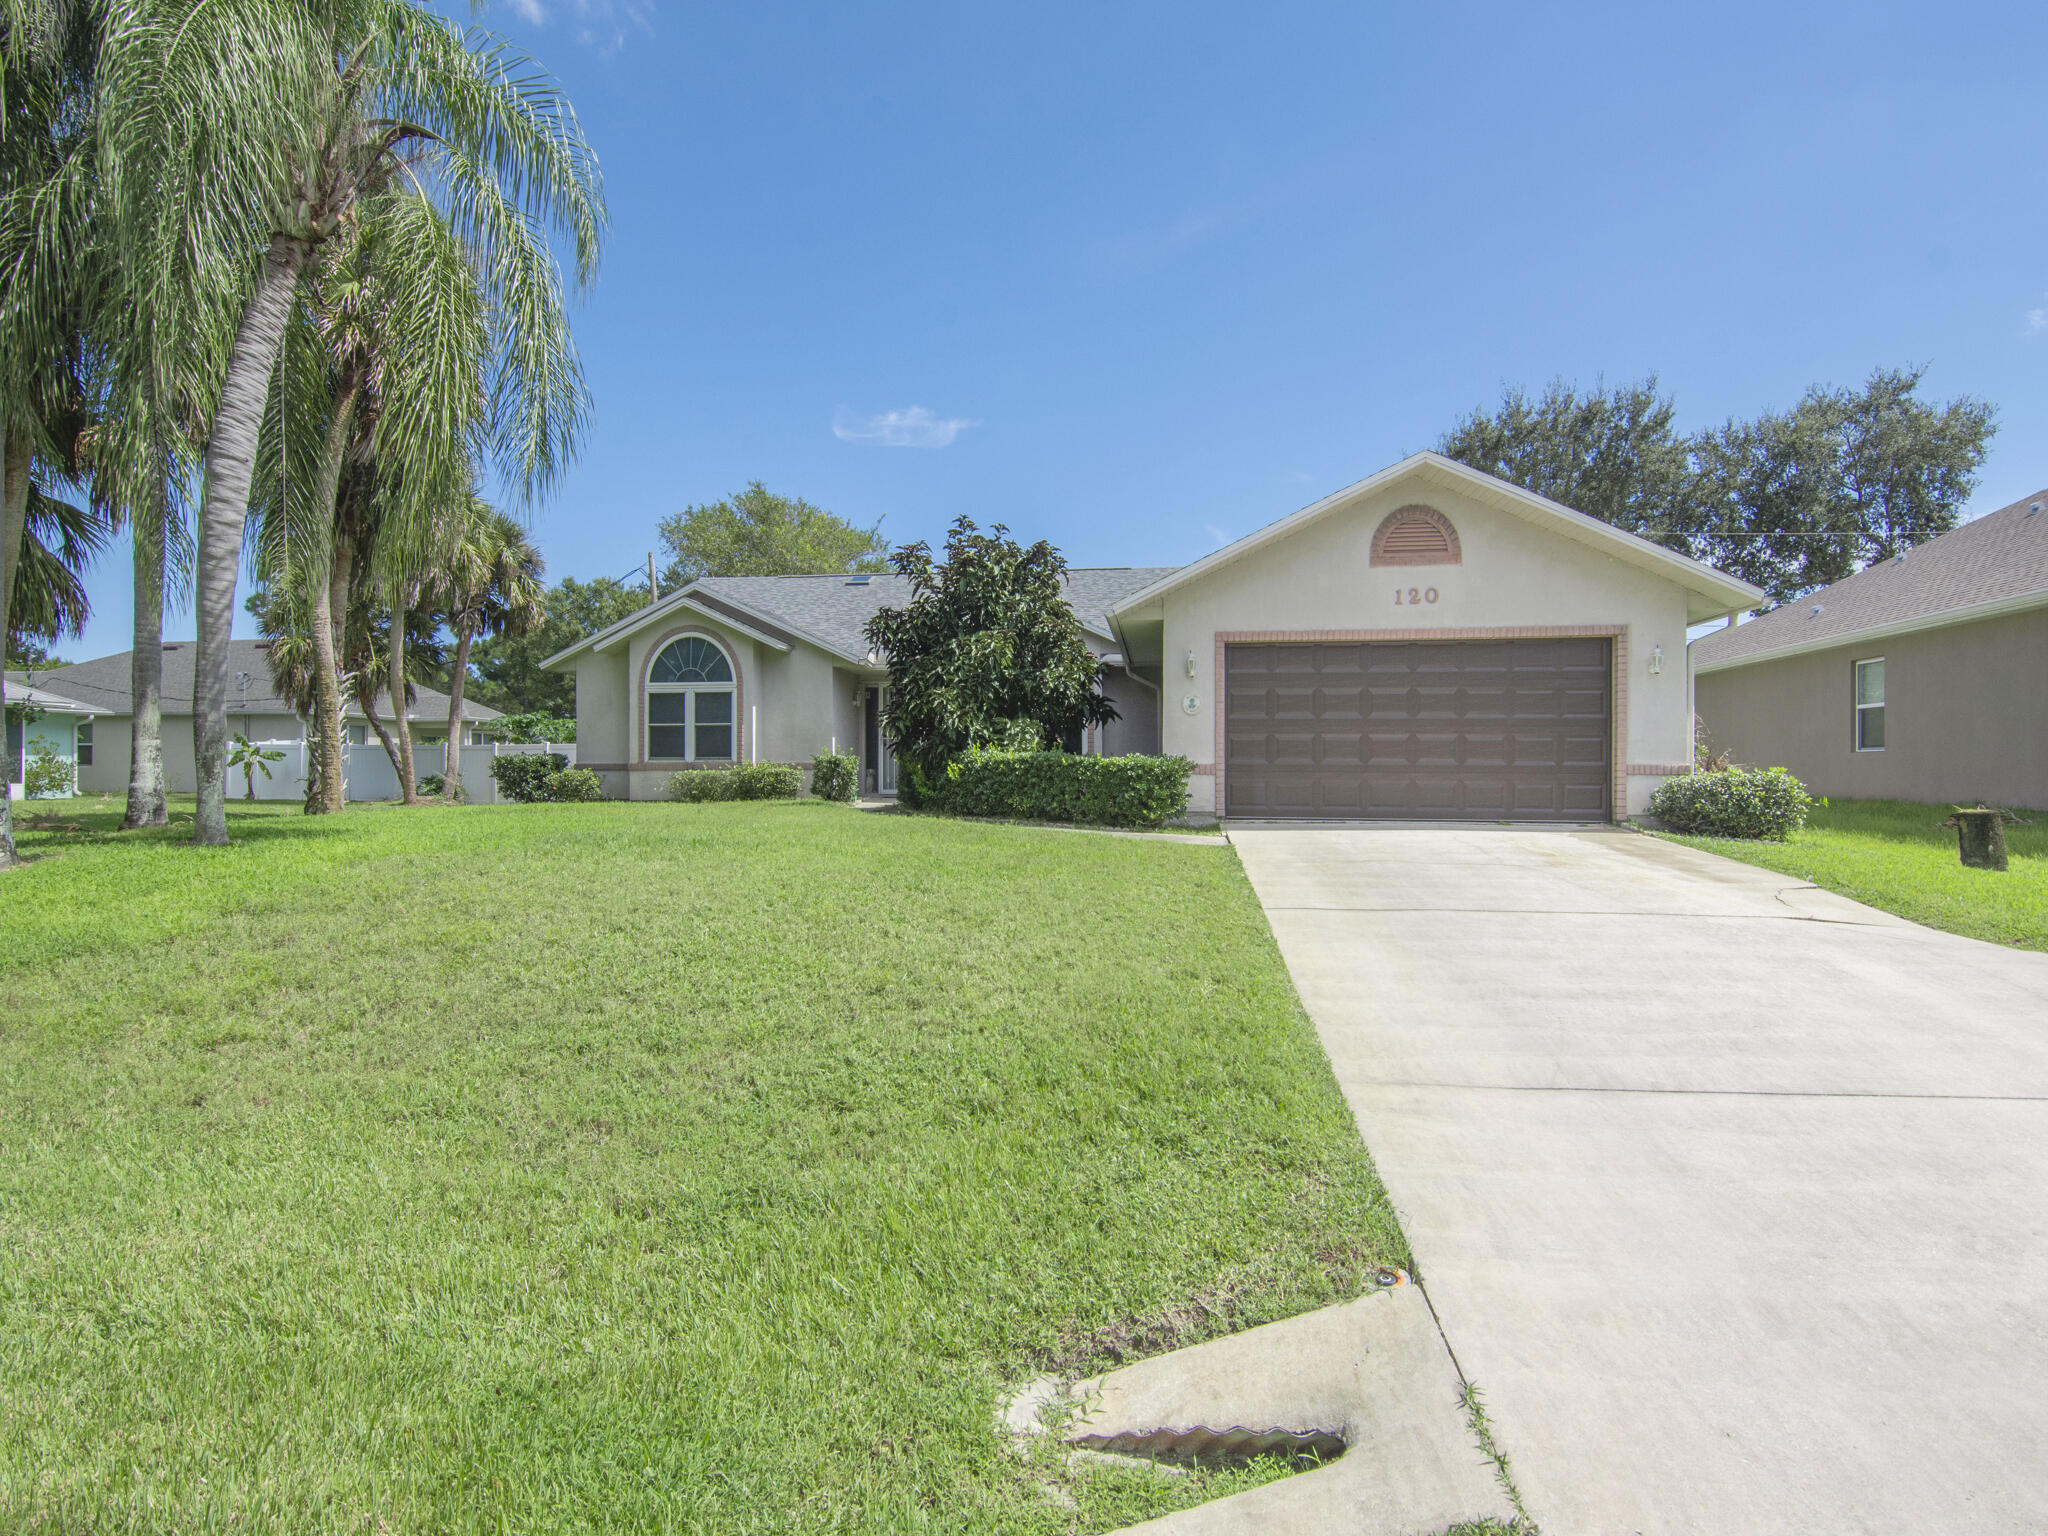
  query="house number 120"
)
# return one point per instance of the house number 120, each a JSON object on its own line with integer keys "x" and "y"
{"x": 1414, "y": 595}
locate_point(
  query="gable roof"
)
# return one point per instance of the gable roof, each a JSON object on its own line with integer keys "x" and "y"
{"x": 103, "y": 684}
{"x": 1997, "y": 563}
{"x": 832, "y": 612}
{"x": 1712, "y": 592}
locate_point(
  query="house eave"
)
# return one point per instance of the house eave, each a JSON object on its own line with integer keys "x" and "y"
{"x": 1869, "y": 634}
{"x": 633, "y": 623}
{"x": 1721, "y": 593}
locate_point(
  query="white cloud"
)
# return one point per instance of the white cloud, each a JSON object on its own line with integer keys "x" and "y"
{"x": 912, "y": 428}
{"x": 1218, "y": 537}
{"x": 2037, "y": 322}
{"x": 532, "y": 12}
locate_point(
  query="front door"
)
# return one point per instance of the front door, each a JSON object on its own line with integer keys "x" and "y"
{"x": 887, "y": 781}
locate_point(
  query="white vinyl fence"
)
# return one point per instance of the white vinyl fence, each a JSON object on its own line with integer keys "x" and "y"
{"x": 368, "y": 774}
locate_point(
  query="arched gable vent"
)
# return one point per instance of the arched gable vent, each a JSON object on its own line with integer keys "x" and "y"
{"x": 1416, "y": 535}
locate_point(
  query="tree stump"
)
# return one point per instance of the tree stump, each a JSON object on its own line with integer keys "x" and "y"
{"x": 1981, "y": 836}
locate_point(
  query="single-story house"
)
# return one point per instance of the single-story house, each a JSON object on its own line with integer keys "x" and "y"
{"x": 1428, "y": 643}
{"x": 1919, "y": 678}
{"x": 254, "y": 709}
{"x": 37, "y": 717}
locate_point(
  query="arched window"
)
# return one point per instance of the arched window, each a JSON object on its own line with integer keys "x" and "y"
{"x": 1416, "y": 535}
{"x": 689, "y": 702}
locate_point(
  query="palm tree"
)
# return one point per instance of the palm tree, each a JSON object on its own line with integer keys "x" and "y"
{"x": 47, "y": 264}
{"x": 331, "y": 103}
{"x": 492, "y": 585}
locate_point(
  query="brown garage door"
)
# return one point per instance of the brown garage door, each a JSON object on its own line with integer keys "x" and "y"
{"x": 1485, "y": 730}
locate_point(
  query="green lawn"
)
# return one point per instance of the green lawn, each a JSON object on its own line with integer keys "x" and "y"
{"x": 629, "y": 1167}
{"x": 1895, "y": 854}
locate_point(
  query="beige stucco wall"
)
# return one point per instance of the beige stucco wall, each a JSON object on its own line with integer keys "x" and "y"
{"x": 1513, "y": 575}
{"x": 114, "y": 739}
{"x": 790, "y": 705}
{"x": 1966, "y": 715}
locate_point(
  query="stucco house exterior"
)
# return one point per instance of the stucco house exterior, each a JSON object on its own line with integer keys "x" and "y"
{"x": 1921, "y": 678}
{"x": 254, "y": 709}
{"x": 39, "y": 717}
{"x": 1428, "y": 643}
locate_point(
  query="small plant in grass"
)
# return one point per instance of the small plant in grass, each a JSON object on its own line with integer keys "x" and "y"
{"x": 748, "y": 781}
{"x": 1765, "y": 803}
{"x": 249, "y": 757}
{"x": 431, "y": 784}
{"x": 45, "y": 773}
{"x": 836, "y": 776}
{"x": 572, "y": 785}
{"x": 520, "y": 776}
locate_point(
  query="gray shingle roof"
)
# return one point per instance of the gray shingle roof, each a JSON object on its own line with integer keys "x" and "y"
{"x": 836, "y": 609}
{"x": 2001, "y": 556}
{"x": 103, "y": 682}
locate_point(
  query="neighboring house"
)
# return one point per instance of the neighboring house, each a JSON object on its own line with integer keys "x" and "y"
{"x": 1920, "y": 678}
{"x": 254, "y": 710}
{"x": 1428, "y": 643}
{"x": 62, "y": 724}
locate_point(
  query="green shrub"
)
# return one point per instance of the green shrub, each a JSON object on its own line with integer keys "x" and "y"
{"x": 1056, "y": 786}
{"x": 572, "y": 784}
{"x": 748, "y": 781}
{"x": 45, "y": 772}
{"x": 519, "y": 776}
{"x": 1765, "y": 803}
{"x": 430, "y": 783}
{"x": 836, "y": 776}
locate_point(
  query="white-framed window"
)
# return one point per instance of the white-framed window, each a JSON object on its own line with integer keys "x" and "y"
{"x": 83, "y": 754}
{"x": 358, "y": 733}
{"x": 1870, "y": 705}
{"x": 690, "y": 712}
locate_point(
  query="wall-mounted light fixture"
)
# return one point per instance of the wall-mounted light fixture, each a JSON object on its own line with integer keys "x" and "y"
{"x": 1191, "y": 663}
{"x": 1656, "y": 659}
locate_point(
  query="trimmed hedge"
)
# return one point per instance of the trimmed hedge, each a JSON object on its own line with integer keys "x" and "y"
{"x": 521, "y": 775}
{"x": 1763, "y": 803}
{"x": 1057, "y": 786}
{"x": 836, "y": 776}
{"x": 572, "y": 785}
{"x": 748, "y": 781}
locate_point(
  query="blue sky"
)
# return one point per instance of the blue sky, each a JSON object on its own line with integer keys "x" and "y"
{"x": 1141, "y": 279}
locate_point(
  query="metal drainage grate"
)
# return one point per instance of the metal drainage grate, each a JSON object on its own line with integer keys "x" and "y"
{"x": 1199, "y": 1445}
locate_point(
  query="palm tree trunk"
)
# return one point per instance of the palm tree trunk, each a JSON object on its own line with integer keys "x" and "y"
{"x": 146, "y": 806}
{"x": 330, "y": 612}
{"x": 368, "y": 706}
{"x": 14, "y": 456}
{"x": 395, "y": 651}
{"x": 230, "y": 462}
{"x": 451, "y": 777}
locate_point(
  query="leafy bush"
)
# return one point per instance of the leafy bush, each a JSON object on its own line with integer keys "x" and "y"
{"x": 571, "y": 785}
{"x": 519, "y": 776}
{"x": 430, "y": 783}
{"x": 748, "y": 781}
{"x": 836, "y": 776}
{"x": 1762, "y": 803}
{"x": 533, "y": 726}
{"x": 45, "y": 772}
{"x": 1056, "y": 786}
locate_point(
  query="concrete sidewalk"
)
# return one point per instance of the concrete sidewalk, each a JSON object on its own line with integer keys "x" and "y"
{"x": 1731, "y": 1195}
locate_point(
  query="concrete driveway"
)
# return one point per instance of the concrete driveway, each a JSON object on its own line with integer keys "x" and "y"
{"x": 1731, "y": 1196}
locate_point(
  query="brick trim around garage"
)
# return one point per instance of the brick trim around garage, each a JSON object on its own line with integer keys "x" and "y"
{"x": 1617, "y": 662}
